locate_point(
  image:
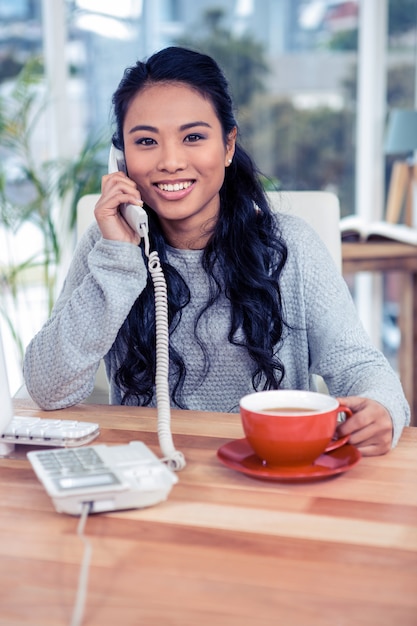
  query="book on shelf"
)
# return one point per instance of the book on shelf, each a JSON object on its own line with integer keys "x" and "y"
{"x": 355, "y": 228}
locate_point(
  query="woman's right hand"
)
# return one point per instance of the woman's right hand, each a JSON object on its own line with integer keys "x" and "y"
{"x": 116, "y": 189}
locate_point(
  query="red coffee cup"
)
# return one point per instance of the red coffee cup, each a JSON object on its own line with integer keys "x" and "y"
{"x": 288, "y": 428}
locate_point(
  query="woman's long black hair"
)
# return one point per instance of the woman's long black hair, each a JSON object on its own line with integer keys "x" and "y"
{"x": 245, "y": 245}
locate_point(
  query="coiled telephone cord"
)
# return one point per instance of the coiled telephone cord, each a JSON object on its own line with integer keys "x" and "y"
{"x": 174, "y": 459}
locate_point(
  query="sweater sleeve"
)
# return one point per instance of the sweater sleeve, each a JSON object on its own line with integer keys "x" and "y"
{"x": 339, "y": 348}
{"x": 103, "y": 282}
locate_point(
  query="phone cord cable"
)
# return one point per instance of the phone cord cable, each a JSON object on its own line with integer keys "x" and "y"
{"x": 174, "y": 459}
{"x": 79, "y": 606}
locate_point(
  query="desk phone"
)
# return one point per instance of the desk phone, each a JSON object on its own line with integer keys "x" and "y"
{"x": 109, "y": 478}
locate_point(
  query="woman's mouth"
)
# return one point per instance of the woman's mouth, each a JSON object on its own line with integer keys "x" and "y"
{"x": 174, "y": 186}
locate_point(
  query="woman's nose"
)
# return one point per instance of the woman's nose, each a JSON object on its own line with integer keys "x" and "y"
{"x": 172, "y": 159}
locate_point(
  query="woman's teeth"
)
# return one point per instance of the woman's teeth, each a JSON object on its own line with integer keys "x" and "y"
{"x": 175, "y": 186}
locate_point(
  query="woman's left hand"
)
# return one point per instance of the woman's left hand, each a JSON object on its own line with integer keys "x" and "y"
{"x": 370, "y": 427}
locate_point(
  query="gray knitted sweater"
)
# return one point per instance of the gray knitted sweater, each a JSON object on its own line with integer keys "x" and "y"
{"x": 105, "y": 278}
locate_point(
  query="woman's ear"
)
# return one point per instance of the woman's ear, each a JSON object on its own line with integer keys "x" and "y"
{"x": 230, "y": 146}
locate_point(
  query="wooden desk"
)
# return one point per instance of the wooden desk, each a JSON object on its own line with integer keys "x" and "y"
{"x": 224, "y": 549}
{"x": 394, "y": 257}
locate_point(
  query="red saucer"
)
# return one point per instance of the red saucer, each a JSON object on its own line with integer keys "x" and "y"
{"x": 337, "y": 443}
{"x": 239, "y": 456}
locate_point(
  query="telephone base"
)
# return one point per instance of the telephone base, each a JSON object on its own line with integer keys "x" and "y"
{"x": 108, "y": 478}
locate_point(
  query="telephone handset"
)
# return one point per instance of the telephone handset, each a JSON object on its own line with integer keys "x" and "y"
{"x": 137, "y": 218}
{"x": 134, "y": 215}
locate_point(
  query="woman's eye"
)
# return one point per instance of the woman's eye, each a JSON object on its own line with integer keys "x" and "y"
{"x": 145, "y": 141}
{"x": 193, "y": 138}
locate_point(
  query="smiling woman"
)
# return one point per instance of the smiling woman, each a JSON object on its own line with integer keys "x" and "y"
{"x": 177, "y": 163}
{"x": 246, "y": 309}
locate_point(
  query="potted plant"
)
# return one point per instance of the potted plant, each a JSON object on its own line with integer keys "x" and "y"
{"x": 38, "y": 201}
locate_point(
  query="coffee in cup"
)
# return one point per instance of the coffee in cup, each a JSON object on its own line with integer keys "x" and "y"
{"x": 288, "y": 428}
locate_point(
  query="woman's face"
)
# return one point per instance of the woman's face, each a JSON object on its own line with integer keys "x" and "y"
{"x": 176, "y": 154}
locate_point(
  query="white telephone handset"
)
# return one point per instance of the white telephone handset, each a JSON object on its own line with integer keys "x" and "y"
{"x": 137, "y": 218}
{"x": 134, "y": 215}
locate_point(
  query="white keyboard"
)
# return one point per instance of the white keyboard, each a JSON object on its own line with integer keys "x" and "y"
{"x": 49, "y": 432}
